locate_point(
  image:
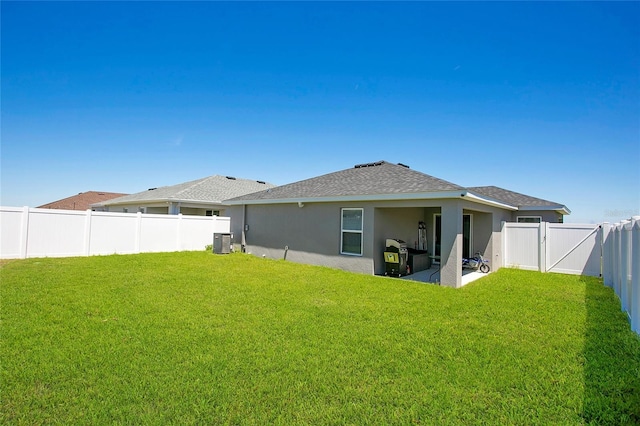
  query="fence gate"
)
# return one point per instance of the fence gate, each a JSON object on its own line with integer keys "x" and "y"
{"x": 573, "y": 249}
{"x": 553, "y": 247}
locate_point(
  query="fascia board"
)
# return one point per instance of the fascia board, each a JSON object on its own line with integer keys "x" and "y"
{"x": 462, "y": 193}
{"x": 488, "y": 201}
{"x": 142, "y": 202}
{"x": 559, "y": 208}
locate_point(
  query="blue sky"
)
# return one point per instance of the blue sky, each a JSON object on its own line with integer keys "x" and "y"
{"x": 539, "y": 98}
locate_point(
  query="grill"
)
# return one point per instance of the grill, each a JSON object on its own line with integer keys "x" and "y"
{"x": 395, "y": 257}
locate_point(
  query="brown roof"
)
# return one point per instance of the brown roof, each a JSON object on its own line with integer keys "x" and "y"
{"x": 82, "y": 201}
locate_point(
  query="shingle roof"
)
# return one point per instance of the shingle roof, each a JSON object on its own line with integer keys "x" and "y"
{"x": 212, "y": 190}
{"x": 513, "y": 198}
{"x": 82, "y": 201}
{"x": 364, "y": 179}
{"x": 386, "y": 179}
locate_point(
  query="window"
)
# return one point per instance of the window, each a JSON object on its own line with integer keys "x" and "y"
{"x": 212, "y": 213}
{"x": 529, "y": 219}
{"x": 351, "y": 232}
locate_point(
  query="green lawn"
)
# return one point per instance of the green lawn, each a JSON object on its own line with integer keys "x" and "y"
{"x": 197, "y": 338}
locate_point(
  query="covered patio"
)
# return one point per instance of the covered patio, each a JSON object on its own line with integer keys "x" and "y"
{"x": 432, "y": 276}
{"x": 453, "y": 229}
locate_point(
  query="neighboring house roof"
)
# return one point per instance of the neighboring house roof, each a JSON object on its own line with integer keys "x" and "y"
{"x": 82, "y": 201}
{"x": 386, "y": 181}
{"x": 522, "y": 201}
{"x": 208, "y": 190}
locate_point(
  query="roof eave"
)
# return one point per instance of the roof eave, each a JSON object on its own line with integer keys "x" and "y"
{"x": 556, "y": 207}
{"x": 159, "y": 200}
{"x": 461, "y": 193}
{"x": 481, "y": 199}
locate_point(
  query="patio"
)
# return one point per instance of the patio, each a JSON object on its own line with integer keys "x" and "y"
{"x": 432, "y": 276}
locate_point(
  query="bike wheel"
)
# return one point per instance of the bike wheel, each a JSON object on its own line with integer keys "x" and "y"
{"x": 484, "y": 268}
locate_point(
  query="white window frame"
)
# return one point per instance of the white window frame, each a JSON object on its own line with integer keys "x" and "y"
{"x": 351, "y": 231}
{"x": 538, "y": 218}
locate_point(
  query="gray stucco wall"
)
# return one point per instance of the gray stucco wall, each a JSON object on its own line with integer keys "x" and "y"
{"x": 547, "y": 216}
{"x": 312, "y": 232}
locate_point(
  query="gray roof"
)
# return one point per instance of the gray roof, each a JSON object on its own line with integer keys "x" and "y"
{"x": 386, "y": 179}
{"x": 516, "y": 199}
{"x": 211, "y": 190}
{"x": 377, "y": 178}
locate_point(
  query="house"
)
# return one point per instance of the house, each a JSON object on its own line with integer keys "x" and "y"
{"x": 343, "y": 219}
{"x": 201, "y": 197}
{"x": 82, "y": 201}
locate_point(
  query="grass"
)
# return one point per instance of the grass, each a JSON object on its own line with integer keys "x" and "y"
{"x": 197, "y": 338}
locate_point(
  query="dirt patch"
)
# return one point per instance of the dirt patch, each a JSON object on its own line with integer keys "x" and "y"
{"x": 5, "y": 261}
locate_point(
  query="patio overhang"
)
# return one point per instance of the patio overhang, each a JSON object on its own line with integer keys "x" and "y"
{"x": 447, "y": 195}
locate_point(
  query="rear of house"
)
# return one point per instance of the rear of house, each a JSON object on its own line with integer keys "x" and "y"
{"x": 343, "y": 219}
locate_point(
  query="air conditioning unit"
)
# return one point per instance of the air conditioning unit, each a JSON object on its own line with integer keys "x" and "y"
{"x": 222, "y": 243}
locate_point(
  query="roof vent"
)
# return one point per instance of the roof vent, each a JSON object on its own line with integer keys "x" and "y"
{"x": 360, "y": 166}
{"x": 152, "y": 189}
{"x": 230, "y": 177}
{"x": 404, "y": 165}
{"x": 261, "y": 182}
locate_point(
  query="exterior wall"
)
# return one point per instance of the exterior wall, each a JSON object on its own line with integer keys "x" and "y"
{"x": 309, "y": 234}
{"x": 547, "y": 215}
{"x": 135, "y": 208}
{"x": 163, "y": 208}
{"x": 156, "y": 210}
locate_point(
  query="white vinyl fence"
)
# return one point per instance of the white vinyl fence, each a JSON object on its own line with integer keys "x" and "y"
{"x": 28, "y": 232}
{"x": 621, "y": 265}
{"x": 552, "y": 247}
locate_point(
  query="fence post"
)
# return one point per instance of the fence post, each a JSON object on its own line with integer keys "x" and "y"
{"x": 178, "y": 232}
{"x": 635, "y": 274}
{"x": 616, "y": 259}
{"x": 543, "y": 249}
{"x": 625, "y": 267}
{"x": 503, "y": 238}
{"x": 87, "y": 233}
{"x": 607, "y": 263}
{"x": 24, "y": 232}
{"x": 138, "y": 232}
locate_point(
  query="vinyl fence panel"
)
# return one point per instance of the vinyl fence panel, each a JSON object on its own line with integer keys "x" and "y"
{"x": 26, "y": 232}
{"x": 113, "y": 233}
{"x": 521, "y": 245}
{"x": 12, "y": 232}
{"x": 621, "y": 265}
